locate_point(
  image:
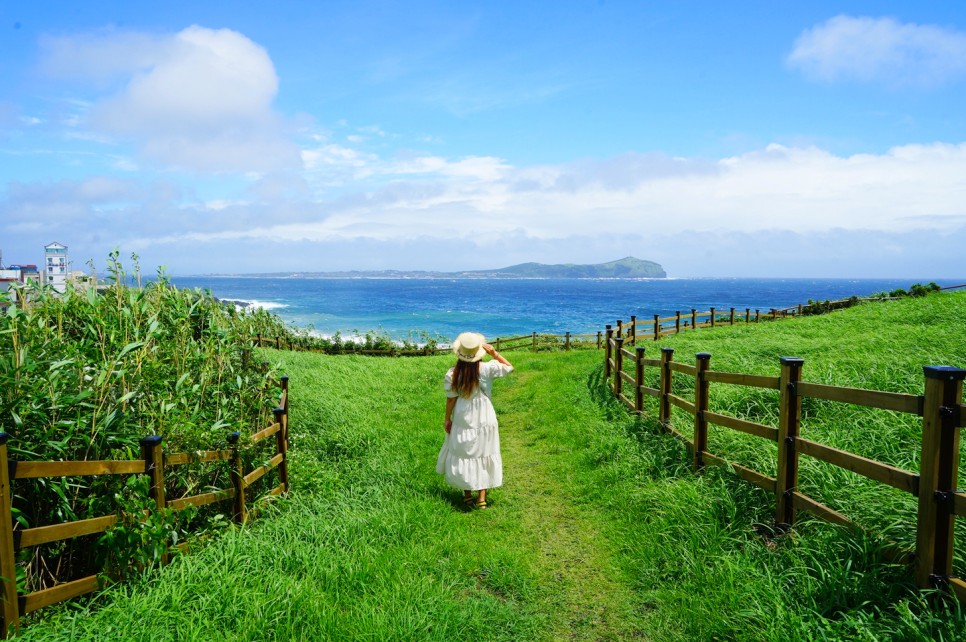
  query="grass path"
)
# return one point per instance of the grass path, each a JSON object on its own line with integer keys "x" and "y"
{"x": 589, "y": 600}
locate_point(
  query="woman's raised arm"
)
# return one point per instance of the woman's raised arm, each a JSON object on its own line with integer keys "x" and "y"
{"x": 496, "y": 355}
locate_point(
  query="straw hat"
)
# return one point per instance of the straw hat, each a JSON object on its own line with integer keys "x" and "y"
{"x": 469, "y": 347}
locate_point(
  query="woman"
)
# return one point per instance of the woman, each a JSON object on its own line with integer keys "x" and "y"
{"x": 470, "y": 457}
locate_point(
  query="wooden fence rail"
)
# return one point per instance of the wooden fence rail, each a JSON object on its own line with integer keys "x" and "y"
{"x": 154, "y": 463}
{"x": 657, "y": 326}
{"x": 935, "y": 485}
{"x": 534, "y": 341}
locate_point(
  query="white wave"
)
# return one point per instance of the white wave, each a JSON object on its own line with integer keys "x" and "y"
{"x": 253, "y": 304}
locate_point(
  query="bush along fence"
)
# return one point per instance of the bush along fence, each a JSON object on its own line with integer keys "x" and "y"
{"x": 935, "y": 485}
{"x": 534, "y": 341}
{"x": 139, "y": 534}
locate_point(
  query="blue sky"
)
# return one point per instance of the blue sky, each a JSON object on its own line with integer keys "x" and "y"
{"x": 719, "y": 139}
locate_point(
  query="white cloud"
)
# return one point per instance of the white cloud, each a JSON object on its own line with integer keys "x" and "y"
{"x": 200, "y": 99}
{"x": 798, "y": 190}
{"x": 881, "y": 50}
{"x": 806, "y": 195}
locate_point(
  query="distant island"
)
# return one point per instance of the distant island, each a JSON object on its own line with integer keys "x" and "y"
{"x": 626, "y": 268}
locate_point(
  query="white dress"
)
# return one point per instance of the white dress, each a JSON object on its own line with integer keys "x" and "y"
{"x": 470, "y": 457}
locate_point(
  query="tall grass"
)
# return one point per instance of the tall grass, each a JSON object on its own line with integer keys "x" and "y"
{"x": 85, "y": 375}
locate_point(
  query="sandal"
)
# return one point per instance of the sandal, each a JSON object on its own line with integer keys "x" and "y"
{"x": 468, "y": 502}
{"x": 481, "y": 504}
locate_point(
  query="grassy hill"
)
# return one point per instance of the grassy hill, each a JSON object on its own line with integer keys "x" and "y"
{"x": 601, "y": 531}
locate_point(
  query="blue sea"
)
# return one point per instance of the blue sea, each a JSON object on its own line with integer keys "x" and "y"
{"x": 442, "y": 308}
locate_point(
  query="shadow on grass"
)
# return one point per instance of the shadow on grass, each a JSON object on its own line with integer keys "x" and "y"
{"x": 454, "y": 498}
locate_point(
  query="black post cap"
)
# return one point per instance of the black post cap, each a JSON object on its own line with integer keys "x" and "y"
{"x": 946, "y": 373}
{"x": 791, "y": 361}
{"x": 3, "y": 438}
{"x": 153, "y": 440}
{"x": 233, "y": 437}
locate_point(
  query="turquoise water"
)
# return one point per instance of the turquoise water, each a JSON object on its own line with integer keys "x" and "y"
{"x": 403, "y": 308}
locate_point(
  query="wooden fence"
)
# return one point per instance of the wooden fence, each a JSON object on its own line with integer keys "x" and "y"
{"x": 935, "y": 485}
{"x": 533, "y": 341}
{"x": 153, "y": 463}
{"x": 656, "y": 326}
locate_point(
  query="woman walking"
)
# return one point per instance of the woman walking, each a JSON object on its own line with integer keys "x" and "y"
{"x": 470, "y": 457}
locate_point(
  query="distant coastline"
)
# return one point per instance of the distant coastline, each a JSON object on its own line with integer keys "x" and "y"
{"x": 626, "y": 268}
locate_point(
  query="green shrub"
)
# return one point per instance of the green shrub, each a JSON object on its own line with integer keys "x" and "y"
{"x": 86, "y": 375}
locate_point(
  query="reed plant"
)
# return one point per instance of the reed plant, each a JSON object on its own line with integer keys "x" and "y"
{"x": 86, "y": 374}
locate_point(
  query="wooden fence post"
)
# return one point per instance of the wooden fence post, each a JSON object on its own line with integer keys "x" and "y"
{"x": 567, "y": 342}
{"x": 534, "y": 341}
{"x": 284, "y": 381}
{"x": 153, "y": 457}
{"x": 712, "y": 317}
{"x": 633, "y": 329}
{"x": 598, "y": 339}
{"x": 694, "y": 319}
{"x": 664, "y": 410}
{"x": 618, "y": 365}
{"x": 8, "y": 565}
{"x": 639, "y": 380}
{"x": 732, "y": 320}
{"x": 497, "y": 344}
{"x": 747, "y": 315}
{"x": 610, "y": 334}
{"x": 789, "y": 420}
{"x": 619, "y": 332}
{"x": 938, "y": 474}
{"x": 657, "y": 327}
{"x": 240, "y": 515}
{"x": 702, "y": 363}
{"x": 677, "y": 322}
{"x": 757, "y": 315}
{"x": 281, "y": 447}
{"x": 278, "y": 343}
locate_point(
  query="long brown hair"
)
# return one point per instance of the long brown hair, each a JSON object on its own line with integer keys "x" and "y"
{"x": 466, "y": 377}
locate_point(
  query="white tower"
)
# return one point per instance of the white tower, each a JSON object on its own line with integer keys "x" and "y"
{"x": 56, "y": 266}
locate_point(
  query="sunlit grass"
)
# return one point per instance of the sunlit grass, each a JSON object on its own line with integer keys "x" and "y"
{"x": 602, "y": 530}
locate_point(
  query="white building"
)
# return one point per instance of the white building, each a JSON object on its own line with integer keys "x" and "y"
{"x": 56, "y": 266}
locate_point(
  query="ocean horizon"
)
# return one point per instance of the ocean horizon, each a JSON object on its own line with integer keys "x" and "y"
{"x": 421, "y": 308}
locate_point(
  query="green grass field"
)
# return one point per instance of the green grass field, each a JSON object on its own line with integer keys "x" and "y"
{"x": 601, "y": 531}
